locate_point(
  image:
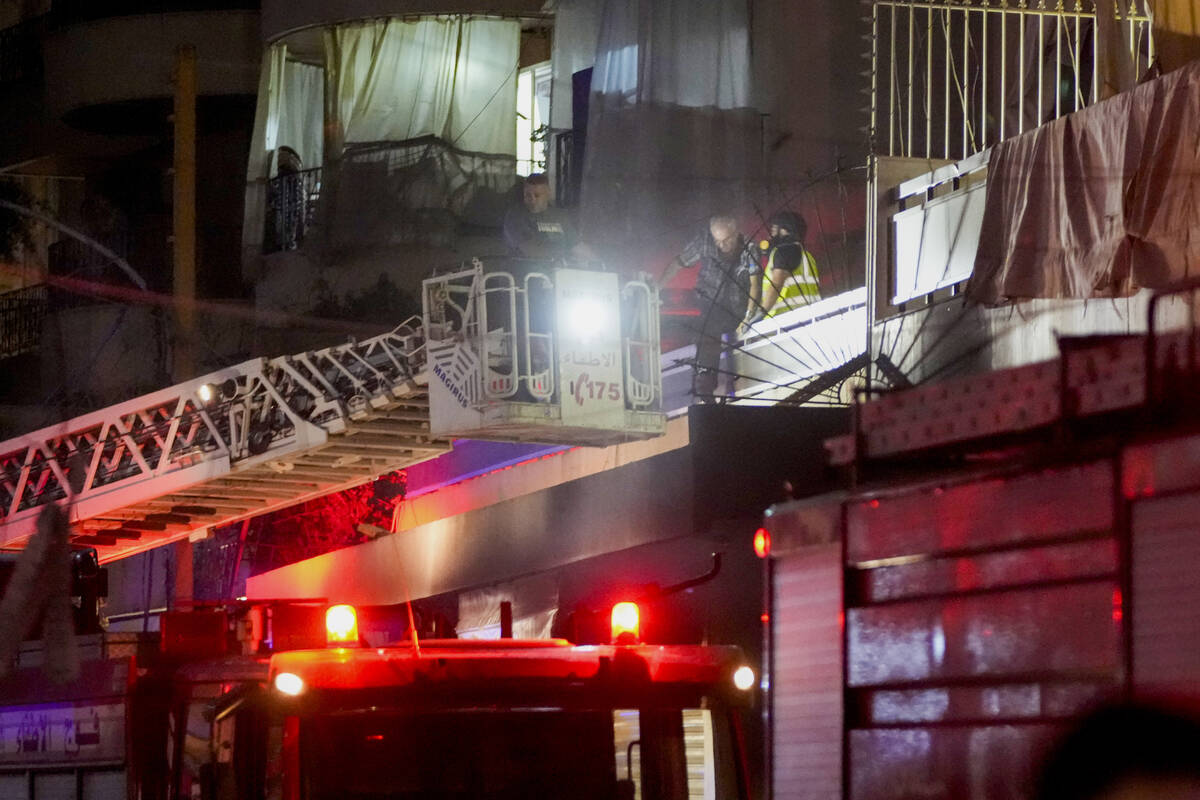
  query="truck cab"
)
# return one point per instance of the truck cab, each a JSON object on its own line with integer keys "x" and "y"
{"x": 507, "y": 718}
{"x": 283, "y": 700}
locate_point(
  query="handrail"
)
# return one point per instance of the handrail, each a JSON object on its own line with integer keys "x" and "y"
{"x": 642, "y": 391}
{"x": 541, "y": 383}
{"x": 498, "y": 384}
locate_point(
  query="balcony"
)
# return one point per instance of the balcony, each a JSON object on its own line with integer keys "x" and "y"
{"x": 999, "y": 221}
{"x": 422, "y": 191}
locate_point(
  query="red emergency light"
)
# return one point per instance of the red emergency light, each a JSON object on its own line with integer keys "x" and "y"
{"x": 762, "y": 543}
{"x": 626, "y": 623}
{"x": 341, "y": 626}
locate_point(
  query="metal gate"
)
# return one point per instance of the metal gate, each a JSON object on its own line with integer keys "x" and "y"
{"x": 950, "y": 79}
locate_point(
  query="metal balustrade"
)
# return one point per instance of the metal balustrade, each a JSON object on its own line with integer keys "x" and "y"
{"x": 291, "y": 209}
{"x": 21, "y": 314}
{"x": 950, "y": 79}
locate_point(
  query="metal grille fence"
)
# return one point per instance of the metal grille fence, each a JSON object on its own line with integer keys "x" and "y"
{"x": 952, "y": 77}
{"x": 21, "y": 314}
{"x": 291, "y": 208}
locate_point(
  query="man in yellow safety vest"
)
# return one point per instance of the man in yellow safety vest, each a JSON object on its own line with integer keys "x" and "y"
{"x": 790, "y": 274}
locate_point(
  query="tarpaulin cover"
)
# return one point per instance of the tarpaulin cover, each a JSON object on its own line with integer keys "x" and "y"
{"x": 1099, "y": 203}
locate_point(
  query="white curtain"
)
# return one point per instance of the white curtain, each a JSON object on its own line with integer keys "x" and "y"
{"x": 672, "y": 138}
{"x": 693, "y": 53}
{"x": 262, "y": 147}
{"x": 449, "y": 77}
{"x": 576, "y": 23}
{"x": 289, "y": 113}
{"x": 301, "y": 114}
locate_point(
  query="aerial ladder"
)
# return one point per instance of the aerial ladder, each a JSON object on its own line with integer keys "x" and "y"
{"x": 516, "y": 351}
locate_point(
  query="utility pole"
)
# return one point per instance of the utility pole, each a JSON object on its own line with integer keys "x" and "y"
{"x": 184, "y": 278}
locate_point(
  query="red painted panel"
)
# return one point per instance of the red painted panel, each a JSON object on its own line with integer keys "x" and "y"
{"x": 1166, "y": 595}
{"x": 981, "y": 514}
{"x": 1093, "y": 558}
{"x": 807, "y": 679}
{"x": 1003, "y": 701}
{"x": 1034, "y": 631}
{"x": 996, "y": 762}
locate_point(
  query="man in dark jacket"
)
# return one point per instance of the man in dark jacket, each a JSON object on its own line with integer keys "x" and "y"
{"x": 728, "y": 269}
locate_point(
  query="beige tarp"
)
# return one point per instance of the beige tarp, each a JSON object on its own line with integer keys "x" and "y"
{"x": 1099, "y": 203}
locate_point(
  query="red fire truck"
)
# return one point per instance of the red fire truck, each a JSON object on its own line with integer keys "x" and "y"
{"x": 234, "y": 701}
{"x": 1013, "y": 548}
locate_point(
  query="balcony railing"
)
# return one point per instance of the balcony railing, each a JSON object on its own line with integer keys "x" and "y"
{"x": 291, "y": 209}
{"x": 21, "y": 315}
{"x": 951, "y": 79}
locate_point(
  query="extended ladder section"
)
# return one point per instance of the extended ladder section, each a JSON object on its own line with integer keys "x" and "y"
{"x": 530, "y": 351}
{"x": 235, "y": 443}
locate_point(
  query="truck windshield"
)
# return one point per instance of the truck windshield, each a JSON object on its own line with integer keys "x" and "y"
{"x": 646, "y": 754}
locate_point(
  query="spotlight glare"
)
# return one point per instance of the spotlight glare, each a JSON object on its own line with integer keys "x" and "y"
{"x": 743, "y": 678}
{"x": 289, "y": 683}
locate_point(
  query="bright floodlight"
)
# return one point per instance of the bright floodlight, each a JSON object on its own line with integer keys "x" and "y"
{"x": 586, "y": 318}
{"x": 289, "y": 683}
{"x": 743, "y": 678}
{"x": 205, "y": 392}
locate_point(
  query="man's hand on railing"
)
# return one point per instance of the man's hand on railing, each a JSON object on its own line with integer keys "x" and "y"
{"x": 753, "y": 317}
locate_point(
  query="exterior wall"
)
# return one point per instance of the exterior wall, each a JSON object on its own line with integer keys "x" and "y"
{"x": 281, "y": 17}
{"x": 131, "y": 58}
{"x": 809, "y": 76}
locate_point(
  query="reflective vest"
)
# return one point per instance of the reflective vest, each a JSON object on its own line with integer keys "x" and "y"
{"x": 802, "y": 286}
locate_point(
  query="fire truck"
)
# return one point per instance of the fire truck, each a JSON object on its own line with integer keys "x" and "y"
{"x": 285, "y": 700}
{"x": 1012, "y": 549}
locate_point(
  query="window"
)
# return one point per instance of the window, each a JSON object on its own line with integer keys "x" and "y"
{"x": 533, "y": 117}
{"x": 544, "y": 752}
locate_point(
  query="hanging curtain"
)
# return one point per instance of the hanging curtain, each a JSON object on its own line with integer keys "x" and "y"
{"x": 449, "y": 77}
{"x": 289, "y": 113}
{"x": 574, "y": 48}
{"x": 422, "y": 113}
{"x": 672, "y": 137}
{"x": 301, "y": 113}
{"x": 262, "y": 148}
